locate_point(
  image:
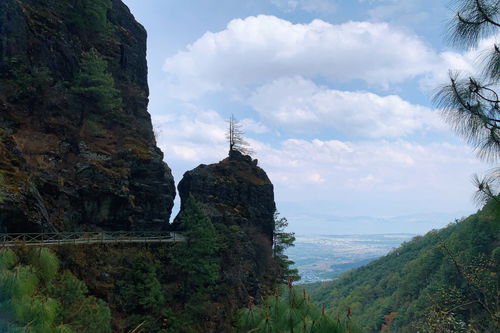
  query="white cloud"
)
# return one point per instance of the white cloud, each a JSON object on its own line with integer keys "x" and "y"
{"x": 343, "y": 169}
{"x": 194, "y": 135}
{"x": 264, "y": 48}
{"x": 469, "y": 62}
{"x": 250, "y": 125}
{"x": 339, "y": 171}
{"x": 318, "y": 6}
{"x": 302, "y": 105}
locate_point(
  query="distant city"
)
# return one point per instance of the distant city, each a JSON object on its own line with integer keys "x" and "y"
{"x": 325, "y": 257}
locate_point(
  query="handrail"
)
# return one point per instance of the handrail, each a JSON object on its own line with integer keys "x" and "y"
{"x": 92, "y": 237}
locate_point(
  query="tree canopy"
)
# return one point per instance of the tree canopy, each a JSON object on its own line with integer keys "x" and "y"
{"x": 281, "y": 241}
{"x": 470, "y": 103}
{"x": 95, "y": 84}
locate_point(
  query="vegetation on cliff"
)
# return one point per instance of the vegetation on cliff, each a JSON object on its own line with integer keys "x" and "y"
{"x": 95, "y": 84}
{"x": 293, "y": 311}
{"x": 37, "y": 296}
{"x": 77, "y": 149}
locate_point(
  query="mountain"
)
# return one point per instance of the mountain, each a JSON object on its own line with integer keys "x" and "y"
{"x": 77, "y": 149}
{"x": 441, "y": 282}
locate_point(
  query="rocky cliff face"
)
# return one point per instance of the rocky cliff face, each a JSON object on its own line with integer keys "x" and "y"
{"x": 238, "y": 197}
{"x": 234, "y": 191}
{"x": 77, "y": 149}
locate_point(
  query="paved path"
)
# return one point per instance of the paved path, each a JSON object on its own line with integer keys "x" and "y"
{"x": 81, "y": 238}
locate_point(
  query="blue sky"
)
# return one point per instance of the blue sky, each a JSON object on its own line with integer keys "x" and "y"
{"x": 334, "y": 97}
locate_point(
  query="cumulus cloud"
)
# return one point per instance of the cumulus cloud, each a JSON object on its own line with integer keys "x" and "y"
{"x": 193, "y": 135}
{"x": 469, "y": 62}
{"x": 263, "y": 48}
{"x": 339, "y": 168}
{"x": 308, "y": 170}
{"x": 302, "y": 105}
{"x": 250, "y": 125}
{"x": 331, "y": 167}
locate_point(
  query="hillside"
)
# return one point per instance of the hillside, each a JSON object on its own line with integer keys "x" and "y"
{"x": 441, "y": 282}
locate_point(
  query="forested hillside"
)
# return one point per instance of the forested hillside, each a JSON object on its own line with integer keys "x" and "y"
{"x": 445, "y": 281}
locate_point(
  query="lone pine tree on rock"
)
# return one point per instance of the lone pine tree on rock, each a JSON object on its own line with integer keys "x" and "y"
{"x": 235, "y": 136}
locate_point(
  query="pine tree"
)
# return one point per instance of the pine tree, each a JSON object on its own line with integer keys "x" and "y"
{"x": 95, "y": 85}
{"x": 471, "y": 104}
{"x": 34, "y": 297}
{"x": 89, "y": 16}
{"x": 235, "y": 136}
{"x": 292, "y": 312}
{"x": 281, "y": 241}
{"x": 196, "y": 259}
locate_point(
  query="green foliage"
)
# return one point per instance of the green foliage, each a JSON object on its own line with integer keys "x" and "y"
{"x": 140, "y": 287}
{"x": 141, "y": 293}
{"x": 23, "y": 84}
{"x": 470, "y": 104}
{"x": 2, "y": 184}
{"x": 45, "y": 263}
{"x": 448, "y": 276}
{"x": 281, "y": 241}
{"x": 78, "y": 311}
{"x": 196, "y": 258}
{"x": 94, "y": 84}
{"x": 8, "y": 259}
{"x": 34, "y": 297}
{"x": 292, "y": 312}
{"x": 89, "y": 16}
{"x": 195, "y": 261}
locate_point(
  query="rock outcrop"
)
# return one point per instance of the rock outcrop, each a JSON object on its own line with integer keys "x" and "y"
{"x": 234, "y": 191}
{"x": 77, "y": 149}
{"x": 238, "y": 197}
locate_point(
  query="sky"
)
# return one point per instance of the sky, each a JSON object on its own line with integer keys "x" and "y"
{"x": 334, "y": 97}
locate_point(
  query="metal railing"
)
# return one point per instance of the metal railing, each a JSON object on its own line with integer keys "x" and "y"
{"x": 77, "y": 238}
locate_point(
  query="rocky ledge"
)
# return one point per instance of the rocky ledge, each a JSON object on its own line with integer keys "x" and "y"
{"x": 234, "y": 191}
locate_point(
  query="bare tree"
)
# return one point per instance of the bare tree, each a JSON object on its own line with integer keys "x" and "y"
{"x": 235, "y": 136}
{"x": 471, "y": 105}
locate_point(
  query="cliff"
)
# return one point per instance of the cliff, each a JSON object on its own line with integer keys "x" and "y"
{"x": 238, "y": 197}
{"x": 77, "y": 149}
{"x": 234, "y": 191}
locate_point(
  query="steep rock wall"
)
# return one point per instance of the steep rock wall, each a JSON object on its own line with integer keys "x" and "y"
{"x": 69, "y": 161}
{"x": 233, "y": 191}
{"x": 239, "y": 199}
